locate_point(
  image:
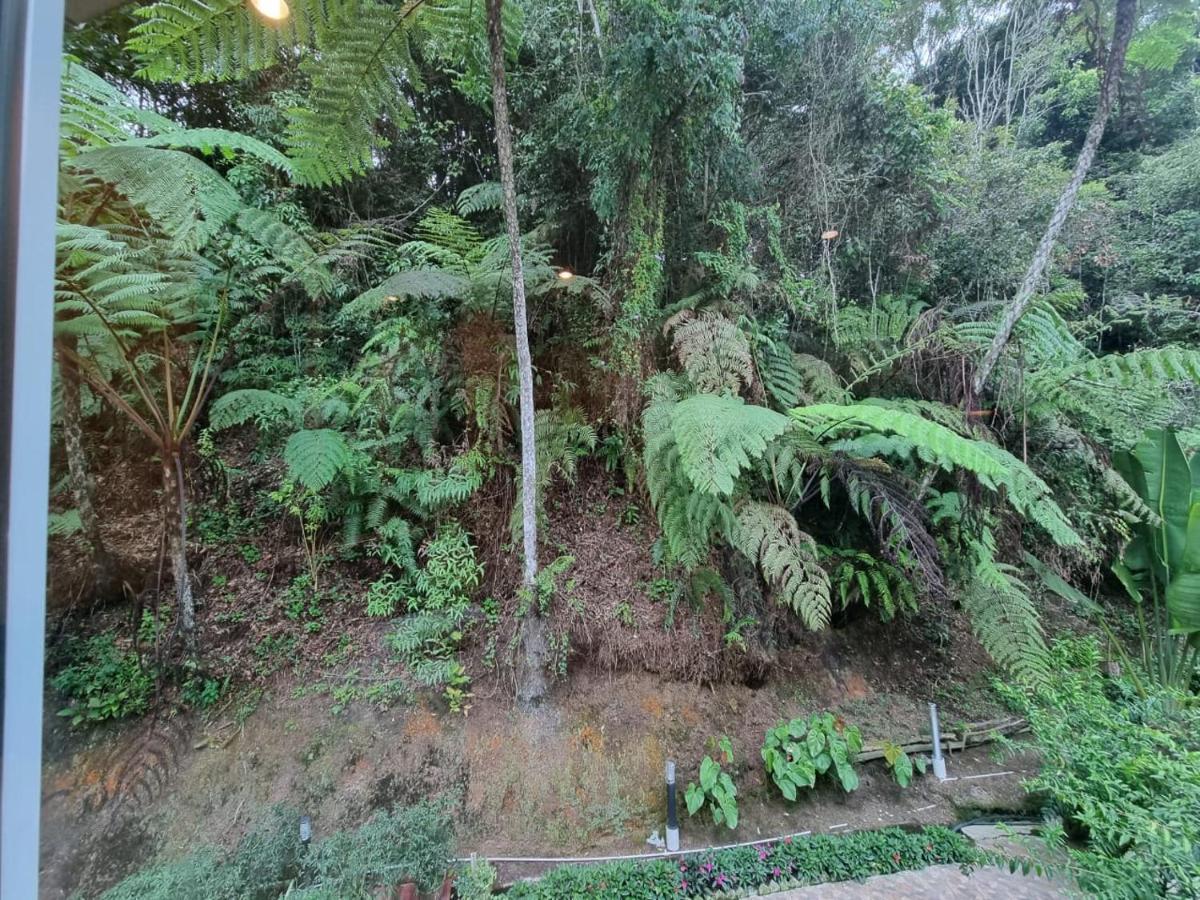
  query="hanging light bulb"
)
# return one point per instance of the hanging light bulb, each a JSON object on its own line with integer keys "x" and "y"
{"x": 272, "y": 9}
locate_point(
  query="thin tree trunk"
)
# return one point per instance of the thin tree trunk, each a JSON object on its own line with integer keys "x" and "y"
{"x": 82, "y": 486}
{"x": 1122, "y": 30}
{"x": 531, "y": 686}
{"x": 175, "y": 523}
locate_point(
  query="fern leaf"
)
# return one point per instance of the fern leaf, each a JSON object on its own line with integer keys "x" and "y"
{"x": 720, "y": 436}
{"x": 239, "y": 407}
{"x": 934, "y": 443}
{"x": 769, "y": 537}
{"x": 1003, "y": 617}
{"x": 315, "y": 456}
{"x": 713, "y": 351}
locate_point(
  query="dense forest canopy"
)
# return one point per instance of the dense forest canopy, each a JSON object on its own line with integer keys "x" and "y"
{"x": 832, "y": 294}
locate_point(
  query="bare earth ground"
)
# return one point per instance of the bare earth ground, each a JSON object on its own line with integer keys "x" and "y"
{"x": 582, "y": 776}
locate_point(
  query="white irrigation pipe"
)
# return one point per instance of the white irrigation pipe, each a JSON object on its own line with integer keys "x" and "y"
{"x": 662, "y": 854}
{"x": 656, "y": 855}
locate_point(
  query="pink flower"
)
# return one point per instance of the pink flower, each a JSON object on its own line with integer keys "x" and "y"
{"x": 683, "y": 885}
{"x": 762, "y": 853}
{"x": 788, "y": 839}
{"x": 776, "y": 872}
{"x": 707, "y": 867}
{"x": 683, "y": 867}
{"x": 721, "y": 879}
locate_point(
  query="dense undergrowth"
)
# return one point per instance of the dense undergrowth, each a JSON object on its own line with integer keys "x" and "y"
{"x": 769, "y": 253}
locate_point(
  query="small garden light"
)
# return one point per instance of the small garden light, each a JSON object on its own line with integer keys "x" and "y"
{"x": 272, "y": 9}
{"x": 305, "y": 830}
{"x": 565, "y": 274}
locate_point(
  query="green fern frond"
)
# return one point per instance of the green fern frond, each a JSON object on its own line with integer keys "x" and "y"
{"x": 411, "y": 284}
{"x": 719, "y": 436}
{"x": 263, "y": 407}
{"x": 769, "y": 537}
{"x": 315, "y": 456}
{"x": 188, "y": 200}
{"x": 484, "y": 197}
{"x": 1003, "y": 616}
{"x": 936, "y": 444}
{"x": 713, "y": 351}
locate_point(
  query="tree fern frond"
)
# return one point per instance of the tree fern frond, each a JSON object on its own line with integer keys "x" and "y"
{"x": 720, "y": 436}
{"x": 713, "y": 351}
{"x": 216, "y": 40}
{"x": 769, "y": 537}
{"x": 315, "y": 456}
{"x": 188, "y": 200}
{"x": 263, "y": 407}
{"x": 1003, "y": 617}
{"x": 934, "y": 443}
{"x": 483, "y": 197}
{"x": 411, "y": 284}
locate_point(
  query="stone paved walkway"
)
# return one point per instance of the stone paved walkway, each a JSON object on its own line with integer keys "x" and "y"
{"x": 935, "y": 883}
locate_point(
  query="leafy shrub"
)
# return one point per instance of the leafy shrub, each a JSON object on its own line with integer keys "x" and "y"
{"x": 716, "y": 788}
{"x": 101, "y": 681}
{"x": 770, "y": 866}
{"x": 1123, "y": 771}
{"x": 797, "y": 752}
{"x": 413, "y": 844}
{"x": 475, "y": 880}
{"x": 385, "y": 595}
{"x": 900, "y": 764}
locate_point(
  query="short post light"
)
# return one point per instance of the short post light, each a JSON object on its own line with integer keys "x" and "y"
{"x": 935, "y": 730}
{"x": 672, "y": 810}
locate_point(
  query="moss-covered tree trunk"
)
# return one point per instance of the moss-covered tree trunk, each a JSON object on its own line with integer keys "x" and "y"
{"x": 531, "y": 681}
{"x": 104, "y": 574}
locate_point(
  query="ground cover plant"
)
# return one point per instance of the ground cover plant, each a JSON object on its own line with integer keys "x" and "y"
{"x": 792, "y": 862}
{"x": 422, "y": 358}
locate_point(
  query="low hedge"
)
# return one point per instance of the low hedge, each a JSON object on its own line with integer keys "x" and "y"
{"x": 739, "y": 871}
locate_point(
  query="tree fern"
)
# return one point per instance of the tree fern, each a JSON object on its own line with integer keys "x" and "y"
{"x": 712, "y": 350}
{"x": 1002, "y": 615}
{"x": 936, "y": 444}
{"x": 769, "y": 537}
{"x": 718, "y": 437}
{"x": 411, "y": 284}
{"x": 315, "y": 456}
{"x": 249, "y": 404}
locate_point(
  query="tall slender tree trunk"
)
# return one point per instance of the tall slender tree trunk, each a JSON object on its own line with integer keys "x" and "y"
{"x": 531, "y": 682}
{"x": 1122, "y": 31}
{"x": 175, "y": 522}
{"x": 104, "y": 579}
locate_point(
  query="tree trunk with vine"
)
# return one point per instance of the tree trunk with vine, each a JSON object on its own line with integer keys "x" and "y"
{"x": 1122, "y": 31}
{"x": 531, "y": 682}
{"x": 104, "y": 575}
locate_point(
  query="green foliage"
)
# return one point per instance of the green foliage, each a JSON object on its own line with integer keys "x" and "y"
{"x": 1162, "y": 559}
{"x": 412, "y": 844}
{"x": 315, "y": 456}
{"x": 1121, "y": 767}
{"x": 718, "y": 437}
{"x": 900, "y": 764}
{"x": 475, "y": 880}
{"x": 858, "y": 577}
{"x": 769, "y": 537}
{"x": 715, "y": 788}
{"x": 796, "y": 752}
{"x": 766, "y": 867}
{"x": 101, "y": 681}
{"x": 936, "y": 444}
